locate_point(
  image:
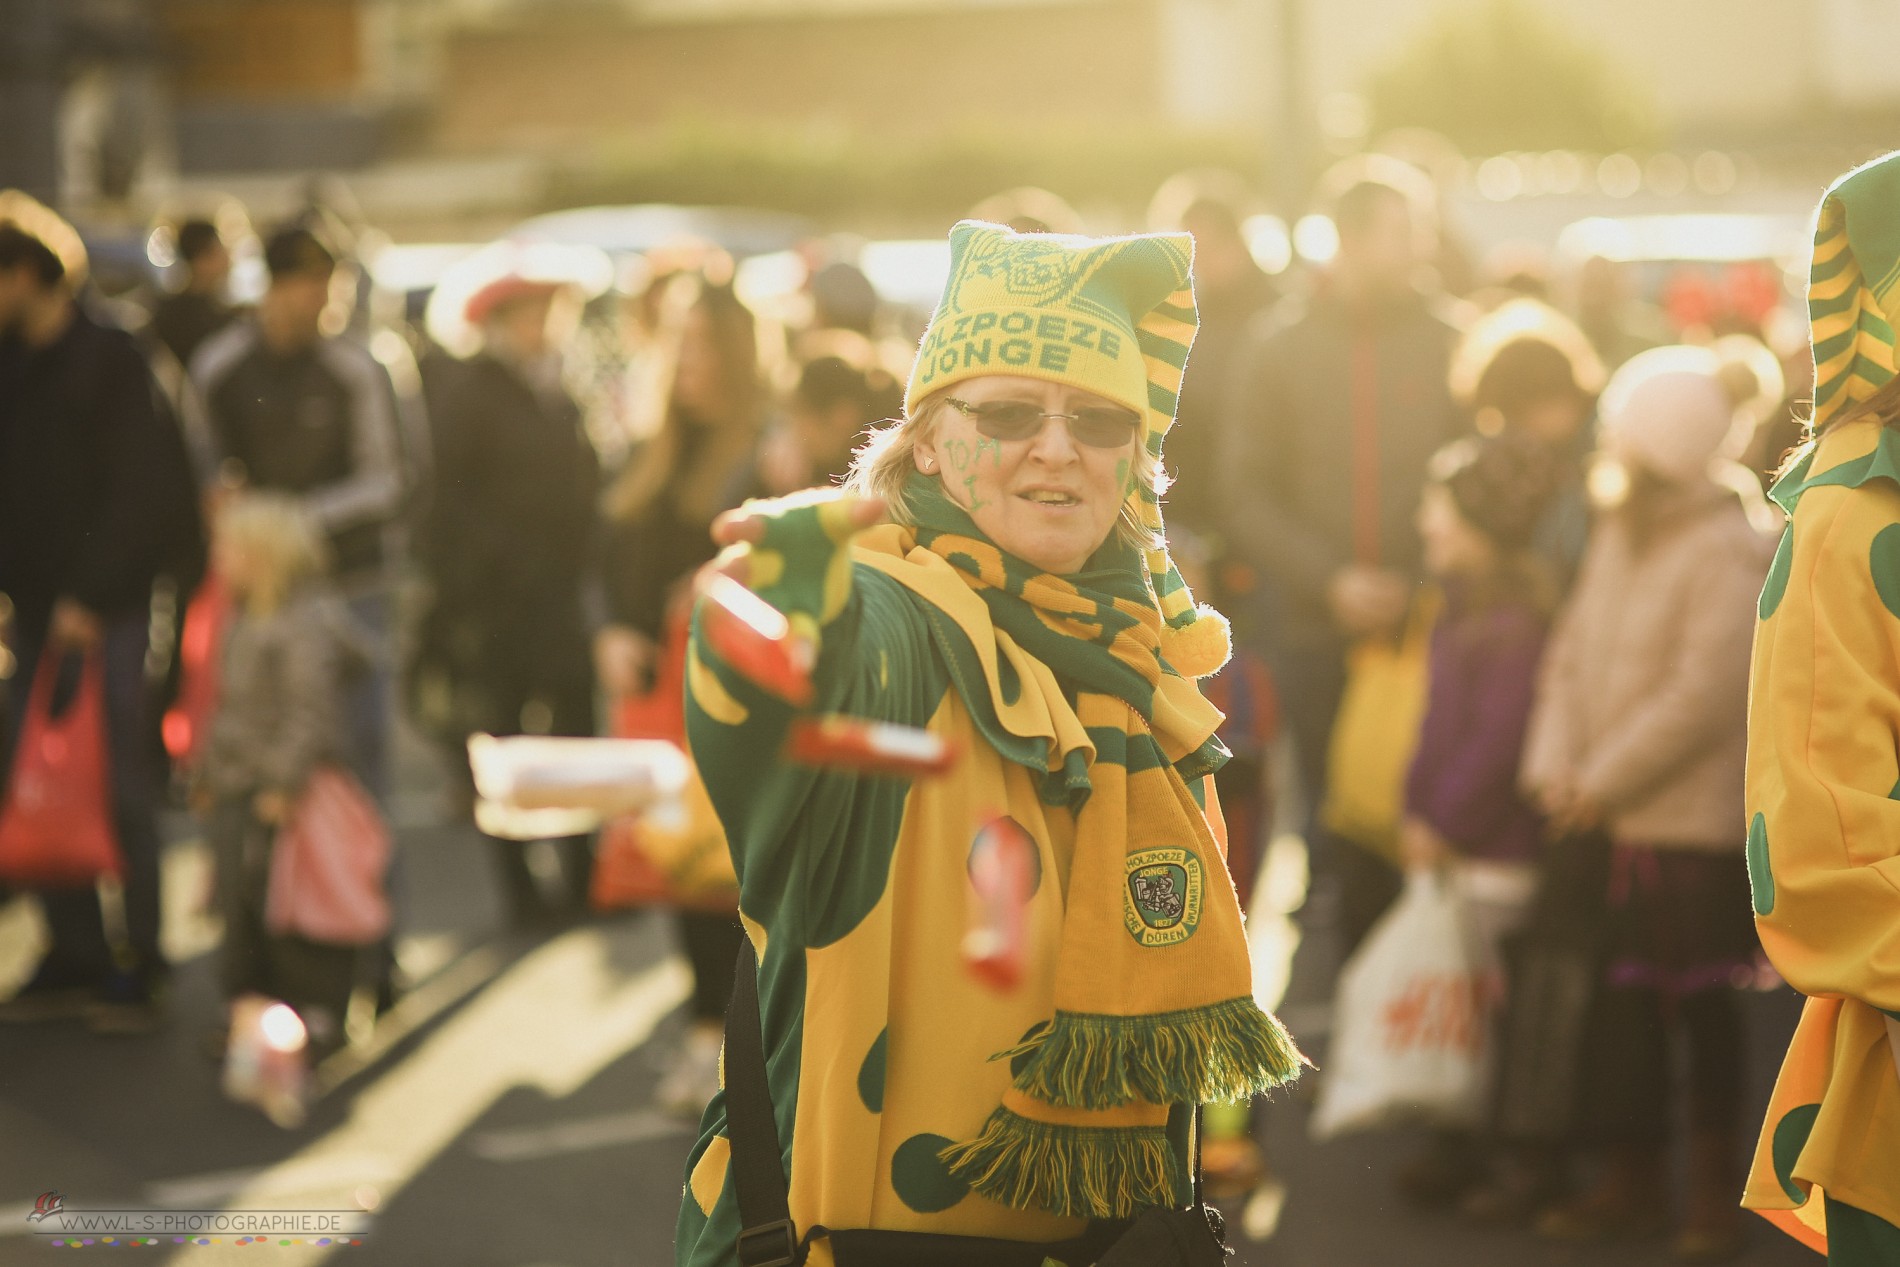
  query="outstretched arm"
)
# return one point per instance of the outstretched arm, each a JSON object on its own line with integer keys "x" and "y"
{"x": 798, "y": 833}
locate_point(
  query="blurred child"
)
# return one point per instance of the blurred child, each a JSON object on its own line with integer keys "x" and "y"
{"x": 1463, "y": 812}
{"x": 1639, "y": 731}
{"x": 1480, "y": 507}
{"x": 279, "y": 721}
{"x": 1526, "y": 369}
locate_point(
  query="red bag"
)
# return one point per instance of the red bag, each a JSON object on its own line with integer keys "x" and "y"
{"x": 327, "y": 868}
{"x": 187, "y": 723}
{"x": 643, "y": 862}
{"x": 56, "y": 828}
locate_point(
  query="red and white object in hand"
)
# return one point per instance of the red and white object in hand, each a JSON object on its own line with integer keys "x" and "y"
{"x": 869, "y": 747}
{"x": 1003, "y": 867}
{"x": 756, "y": 639}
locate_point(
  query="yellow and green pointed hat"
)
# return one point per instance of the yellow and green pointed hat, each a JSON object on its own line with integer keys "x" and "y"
{"x": 1114, "y": 316}
{"x": 1854, "y": 287}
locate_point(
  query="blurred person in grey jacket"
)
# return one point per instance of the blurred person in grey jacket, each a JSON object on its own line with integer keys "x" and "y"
{"x": 293, "y": 410}
{"x": 1231, "y": 292}
{"x": 1339, "y": 402}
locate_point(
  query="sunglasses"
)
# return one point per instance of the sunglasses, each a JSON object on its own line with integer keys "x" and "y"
{"x": 1098, "y": 426}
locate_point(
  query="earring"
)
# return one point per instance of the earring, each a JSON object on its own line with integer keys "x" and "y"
{"x": 930, "y": 466}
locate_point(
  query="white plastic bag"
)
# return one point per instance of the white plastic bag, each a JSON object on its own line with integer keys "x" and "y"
{"x": 532, "y": 787}
{"x": 1410, "y": 1021}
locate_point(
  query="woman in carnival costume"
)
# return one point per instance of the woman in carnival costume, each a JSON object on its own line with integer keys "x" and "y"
{"x": 1021, "y": 606}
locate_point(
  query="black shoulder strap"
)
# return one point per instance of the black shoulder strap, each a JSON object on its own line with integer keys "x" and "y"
{"x": 758, "y": 1169}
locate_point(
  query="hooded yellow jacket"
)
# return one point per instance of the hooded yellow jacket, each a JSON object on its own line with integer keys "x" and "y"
{"x": 1824, "y": 830}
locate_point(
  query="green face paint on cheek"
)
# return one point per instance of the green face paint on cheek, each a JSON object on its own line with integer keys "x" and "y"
{"x": 969, "y": 486}
{"x": 961, "y": 459}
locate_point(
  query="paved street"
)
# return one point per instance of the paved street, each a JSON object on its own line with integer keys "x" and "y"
{"x": 508, "y": 1122}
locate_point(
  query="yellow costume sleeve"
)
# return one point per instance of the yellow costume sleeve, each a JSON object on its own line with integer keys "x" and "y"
{"x": 1824, "y": 742}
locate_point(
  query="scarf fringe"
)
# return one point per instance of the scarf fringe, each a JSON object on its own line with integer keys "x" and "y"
{"x": 1220, "y": 1054}
{"x": 1081, "y": 1171}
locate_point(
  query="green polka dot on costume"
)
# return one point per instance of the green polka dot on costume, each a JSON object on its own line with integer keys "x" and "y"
{"x": 1761, "y": 880}
{"x": 1008, "y": 681}
{"x": 871, "y": 1074}
{"x": 1020, "y": 1062}
{"x": 1791, "y": 1136}
{"x": 1777, "y": 585}
{"x": 921, "y": 1179}
{"x": 1884, "y": 559}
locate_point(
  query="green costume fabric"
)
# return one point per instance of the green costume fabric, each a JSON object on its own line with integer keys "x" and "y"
{"x": 1856, "y": 1238}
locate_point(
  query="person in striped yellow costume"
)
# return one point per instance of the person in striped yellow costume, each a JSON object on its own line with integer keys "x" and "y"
{"x": 1824, "y": 756}
{"x": 1021, "y": 605}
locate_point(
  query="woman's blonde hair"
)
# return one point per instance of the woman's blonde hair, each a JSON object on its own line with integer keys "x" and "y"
{"x": 884, "y": 463}
{"x": 279, "y": 539}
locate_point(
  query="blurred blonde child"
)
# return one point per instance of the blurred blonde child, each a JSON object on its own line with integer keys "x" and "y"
{"x": 279, "y": 721}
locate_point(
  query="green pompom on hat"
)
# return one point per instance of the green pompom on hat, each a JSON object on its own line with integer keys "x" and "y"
{"x": 1113, "y": 316}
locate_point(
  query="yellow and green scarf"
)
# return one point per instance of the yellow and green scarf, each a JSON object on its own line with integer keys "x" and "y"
{"x": 1154, "y": 990}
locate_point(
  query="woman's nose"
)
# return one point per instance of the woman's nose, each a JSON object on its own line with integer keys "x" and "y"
{"x": 1054, "y": 445}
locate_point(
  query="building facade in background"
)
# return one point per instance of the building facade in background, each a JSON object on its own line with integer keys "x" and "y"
{"x": 348, "y": 82}
{"x": 149, "y": 97}
{"x": 879, "y": 70}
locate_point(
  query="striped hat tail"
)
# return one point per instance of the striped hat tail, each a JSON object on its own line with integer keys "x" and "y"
{"x": 1852, "y": 285}
{"x": 1196, "y": 640}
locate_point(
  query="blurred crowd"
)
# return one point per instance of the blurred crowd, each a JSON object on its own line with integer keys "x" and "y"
{"x": 1489, "y": 531}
